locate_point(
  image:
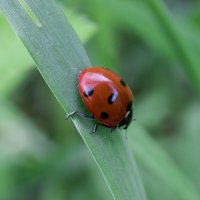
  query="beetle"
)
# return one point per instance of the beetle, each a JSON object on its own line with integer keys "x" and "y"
{"x": 106, "y": 96}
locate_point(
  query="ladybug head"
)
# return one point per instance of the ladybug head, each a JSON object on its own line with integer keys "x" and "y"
{"x": 127, "y": 120}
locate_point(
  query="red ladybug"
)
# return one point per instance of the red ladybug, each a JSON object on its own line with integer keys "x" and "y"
{"x": 107, "y": 97}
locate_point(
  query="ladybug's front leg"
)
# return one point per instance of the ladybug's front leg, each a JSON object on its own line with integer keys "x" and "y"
{"x": 90, "y": 117}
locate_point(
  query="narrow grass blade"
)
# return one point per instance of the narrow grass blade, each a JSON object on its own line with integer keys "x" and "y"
{"x": 159, "y": 166}
{"x": 13, "y": 71}
{"x": 174, "y": 39}
{"x": 186, "y": 52}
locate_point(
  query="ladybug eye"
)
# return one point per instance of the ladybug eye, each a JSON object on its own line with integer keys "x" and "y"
{"x": 88, "y": 92}
{"x": 123, "y": 83}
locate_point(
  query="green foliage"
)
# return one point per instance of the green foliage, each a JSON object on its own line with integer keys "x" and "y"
{"x": 162, "y": 168}
{"x": 12, "y": 71}
{"x": 60, "y": 57}
{"x": 154, "y": 46}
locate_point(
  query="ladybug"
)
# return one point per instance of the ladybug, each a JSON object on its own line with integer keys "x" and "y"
{"x": 106, "y": 96}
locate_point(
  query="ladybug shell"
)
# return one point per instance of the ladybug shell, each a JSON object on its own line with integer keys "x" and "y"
{"x": 106, "y": 96}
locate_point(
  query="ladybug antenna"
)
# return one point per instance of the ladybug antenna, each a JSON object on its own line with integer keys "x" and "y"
{"x": 133, "y": 109}
{"x": 126, "y": 135}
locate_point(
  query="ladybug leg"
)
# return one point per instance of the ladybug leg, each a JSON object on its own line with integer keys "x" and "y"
{"x": 95, "y": 128}
{"x": 112, "y": 129}
{"x": 90, "y": 117}
{"x": 70, "y": 115}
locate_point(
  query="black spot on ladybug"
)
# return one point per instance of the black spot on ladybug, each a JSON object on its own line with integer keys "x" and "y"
{"x": 129, "y": 107}
{"x": 123, "y": 83}
{"x": 88, "y": 92}
{"x": 112, "y": 98}
{"x": 104, "y": 115}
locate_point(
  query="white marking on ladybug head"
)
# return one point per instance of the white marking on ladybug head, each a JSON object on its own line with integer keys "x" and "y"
{"x": 127, "y": 114}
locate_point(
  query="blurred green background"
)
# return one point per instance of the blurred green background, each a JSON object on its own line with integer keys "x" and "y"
{"x": 42, "y": 156}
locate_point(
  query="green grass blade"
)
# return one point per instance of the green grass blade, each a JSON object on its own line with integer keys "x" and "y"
{"x": 175, "y": 40}
{"x": 186, "y": 52}
{"x": 59, "y": 56}
{"x": 160, "y": 167}
{"x": 187, "y": 142}
{"x": 28, "y": 149}
{"x": 13, "y": 71}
